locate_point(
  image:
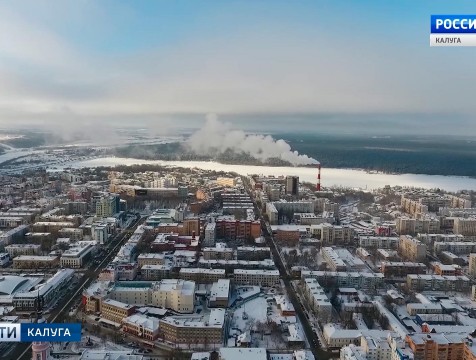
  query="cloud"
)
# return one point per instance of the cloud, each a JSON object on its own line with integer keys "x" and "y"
{"x": 216, "y": 136}
{"x": 249, "y": 70}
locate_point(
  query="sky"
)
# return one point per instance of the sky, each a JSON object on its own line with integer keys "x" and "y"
{"x": 71, "y": 63}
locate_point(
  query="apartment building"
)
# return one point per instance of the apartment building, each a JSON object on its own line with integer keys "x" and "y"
{"x": 458, "y": 248}
{"x": 437, "y": 346}
{"x": 253, "y": 253}
{"x": 206, "y": 330}
{"x": 150, "y": 259}
{"x": 256, "y": 277}
{"x": 358, "y": 280}
{"x": 288, "y": 235}
{"x": 412, "y": 249}
{"x": 116, "y": 311}
{"x": 336, "y": 234}
{"x": 318, "y": 300}
{"x": 202, "y": 275}
{"x": 379, "y": 242}
{"x": 472, "y": 265}
{"x": 438, "y": 282}
{"x": 35, "y": 262}
{"x": 332, "y": 259}
{"x": 237, "y": 229}
{"x": 401, "y": 269}
{"x": 156, "y": 272}
{"x": 23, "y": 249}
{"x": 272, "y": 213}
{"x": 219, "y": 252}
{"x": 465, "y": 226}
{"x": 209, "y": 234}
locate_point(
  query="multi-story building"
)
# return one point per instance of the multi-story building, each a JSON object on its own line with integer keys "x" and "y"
{"x": 289, "y": 235}
{"x": 210, "y": 234}
{"x": 35, "y": 262}
{"x": 237, "y": 229}
{"x": 75, "y": 257}
{"x": 225, "y": 181}
{"x": 27, "y": 301}
{"x": 336, "y": 234}
{"x": 256, "y": 277}
{"x": 358, "y": 280}
{"x": 411, "y": 248}
{"x": 150, "y": 259}
{"x": 292, "y": 185}
{"x": 272, "y": 213}
{"x": 458, "y": 248}
{"x": 141, "y": 326}
{"x": 332, "y": 259}
{"x": 202, "y": 275}
{"x": 23, "y": 249}
{"x": 75, "y": 234}
{"x": 219, "y": 252}
{"x": 156, "y": 272}
{"x": 437, "y": 346}
{"x": 220, "y": 294}
{"x": 107, "y": 206}
{"x": 8, "y": 236}
{"x": 116, "y": 311}
{"x": 253, "y": 253}
{"x": 465, "y": 226}
{"x": 438, "y": 282}
{"x": 472, "y": 265}
{"x": 193, "y": 331}
{"x": 379, "y": 242}
{"x": 401, "y": 269}
{"x": 318, "y": 299}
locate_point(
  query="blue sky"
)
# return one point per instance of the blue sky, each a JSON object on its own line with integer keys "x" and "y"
{"x": 123, "y": 59}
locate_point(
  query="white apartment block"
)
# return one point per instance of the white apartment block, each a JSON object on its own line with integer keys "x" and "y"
{"x": 358, "y": 280}
{"x": 458, "y": 248}
{"x": 210, "y": 234}
{"x": 256, "y": 277}
{"x": 334, "y": 262}
{"x": 318, "y": 299}
{"x": 272, "y": 213}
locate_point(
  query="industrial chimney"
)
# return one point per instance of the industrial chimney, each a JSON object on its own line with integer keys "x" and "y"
{"x": 318, "y": 186}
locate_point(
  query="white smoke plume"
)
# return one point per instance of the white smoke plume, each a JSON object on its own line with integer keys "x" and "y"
{"x": 216, "y": 136}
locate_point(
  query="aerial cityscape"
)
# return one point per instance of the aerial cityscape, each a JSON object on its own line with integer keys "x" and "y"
{"x": 226, "y": 180}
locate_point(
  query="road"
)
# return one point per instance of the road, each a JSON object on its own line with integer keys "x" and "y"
{"x": 22, "y": 351}
{"x": 311, "y": 336}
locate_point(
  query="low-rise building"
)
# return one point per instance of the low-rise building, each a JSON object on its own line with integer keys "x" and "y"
{"x": 256, "y": 277}
{"x": 219, "y": 294}
{"x": 36, "y": 262}
{"x": 141, "y": 326}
